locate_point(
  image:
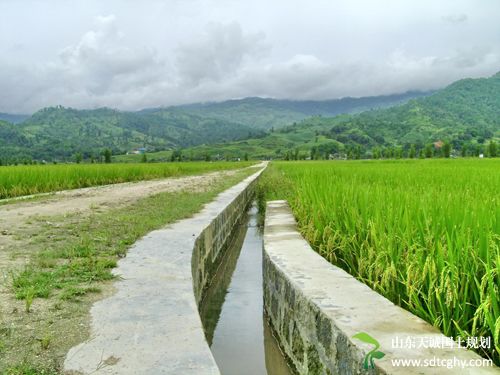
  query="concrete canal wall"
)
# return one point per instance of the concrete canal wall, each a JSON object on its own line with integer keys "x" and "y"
{"x": 315, "y": 309}
{"x": 151, "y": 325}
{"x": 210, "y": 245}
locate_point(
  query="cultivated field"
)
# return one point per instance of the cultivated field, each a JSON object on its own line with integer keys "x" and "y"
{"x": 424, "y": 233}
{"x": 22, "y": 180}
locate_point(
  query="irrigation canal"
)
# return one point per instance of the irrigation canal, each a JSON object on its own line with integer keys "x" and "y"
{"x": 233, "y": 315}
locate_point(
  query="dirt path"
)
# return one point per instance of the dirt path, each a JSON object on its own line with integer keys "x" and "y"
{"x": 107, "y": 196}
{"x": 26, "y": 227}
{"x": 19, "y": 219}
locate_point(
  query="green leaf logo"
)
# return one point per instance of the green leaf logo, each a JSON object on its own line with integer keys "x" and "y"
{"x": 368, "y": 362}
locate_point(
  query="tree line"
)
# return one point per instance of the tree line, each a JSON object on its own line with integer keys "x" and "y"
{"x": 431, "y": 150}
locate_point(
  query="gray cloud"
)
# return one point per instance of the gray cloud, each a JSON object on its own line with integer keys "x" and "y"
{"x": 218, "y": 53}
{"x": 132, "y": 56}
{"x": 101, "y": 62}
{"x": 101, "y": 69}
{"x": 307, "y": 77}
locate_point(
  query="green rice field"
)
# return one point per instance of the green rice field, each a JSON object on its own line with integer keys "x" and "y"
{"x": 22, "y": 180}
{"x": 423, "y": 233}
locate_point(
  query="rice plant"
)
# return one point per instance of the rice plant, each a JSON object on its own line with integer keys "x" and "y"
{"x": 424, "y": 233}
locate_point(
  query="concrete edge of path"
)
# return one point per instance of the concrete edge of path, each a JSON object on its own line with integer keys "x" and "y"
{"x": 151, "y": 325}
{"x": 315, "y": 309}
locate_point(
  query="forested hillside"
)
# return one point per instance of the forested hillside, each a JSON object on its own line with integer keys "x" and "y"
{"x": 464, "y": 116}
{"x": 267, "y": 114}
{"x": 466, "y": 112}
{"x": 59, "y": 133}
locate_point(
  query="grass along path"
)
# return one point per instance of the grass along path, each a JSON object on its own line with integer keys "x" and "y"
{"x": 44, "y": 312}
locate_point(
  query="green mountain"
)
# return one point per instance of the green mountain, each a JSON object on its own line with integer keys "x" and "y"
{"x": 465, "y": 111}
{"x": 466, "y": 114}
{"x": 272, "y": 113}
{"x": 58, "y": 133}
{"x": 13, "y": 142}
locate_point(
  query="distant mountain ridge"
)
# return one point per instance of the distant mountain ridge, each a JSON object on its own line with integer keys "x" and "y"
{"x": 13, "y": 118}
{"x": 466, "y": 114}
{"x": 266, "y": 113}
{"x": 58, "y": 133}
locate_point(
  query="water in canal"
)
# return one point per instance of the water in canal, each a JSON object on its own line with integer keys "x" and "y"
{"x": 232, "y": 314}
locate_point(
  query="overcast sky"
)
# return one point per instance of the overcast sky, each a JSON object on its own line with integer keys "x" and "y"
{"x": 135, "y": 54}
